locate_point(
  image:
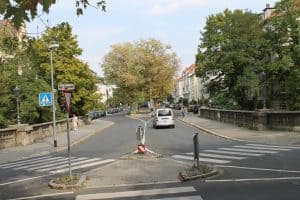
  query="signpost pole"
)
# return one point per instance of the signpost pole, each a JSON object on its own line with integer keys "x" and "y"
{"x": 67, "y": 91}
{"x": 69, "y": 146}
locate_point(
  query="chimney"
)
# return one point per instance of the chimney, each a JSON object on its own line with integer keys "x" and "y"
{"x": 267, "y": 5}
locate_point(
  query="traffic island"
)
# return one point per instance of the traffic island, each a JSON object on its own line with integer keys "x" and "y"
{"x": 196, "y": 172}
{"x": 66, "y": 182}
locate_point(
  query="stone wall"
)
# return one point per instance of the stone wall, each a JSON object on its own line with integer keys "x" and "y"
{"x": 257, "y": 120}
{"x": 24, "y": 134}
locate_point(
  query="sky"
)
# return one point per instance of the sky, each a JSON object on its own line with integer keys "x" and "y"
{"x": 175, "y": 22}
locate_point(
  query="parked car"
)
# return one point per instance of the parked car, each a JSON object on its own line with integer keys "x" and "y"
{"x": 97, "y": 114}
{"x": 163, "y": 117}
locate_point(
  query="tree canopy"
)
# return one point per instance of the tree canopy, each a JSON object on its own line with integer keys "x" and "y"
{"x": 230, "y": 54}
{"x": 19, "y": 11}
{"x": 142, "y": 70}
{"x": 68, "y": 68}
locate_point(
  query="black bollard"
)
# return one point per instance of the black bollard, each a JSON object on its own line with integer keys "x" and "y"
{"x": 196, "y": 149}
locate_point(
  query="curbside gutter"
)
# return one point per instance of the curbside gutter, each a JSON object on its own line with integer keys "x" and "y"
{"x": 212, "y": 132}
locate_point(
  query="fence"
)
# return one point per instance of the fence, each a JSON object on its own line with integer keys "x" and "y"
{"x": 257, "y": 120}
{"x": 24, "y": 134}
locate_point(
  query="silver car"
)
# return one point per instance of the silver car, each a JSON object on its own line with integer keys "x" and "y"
{"x": 163, "y": 117}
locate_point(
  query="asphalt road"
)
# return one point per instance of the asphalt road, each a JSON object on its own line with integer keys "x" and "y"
{"x": 248, "y": 171}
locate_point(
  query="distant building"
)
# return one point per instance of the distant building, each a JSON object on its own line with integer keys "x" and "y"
{"x": 178, "y": 88}
{"x": 106, "y": 91}
{"x": 189, "y": 86}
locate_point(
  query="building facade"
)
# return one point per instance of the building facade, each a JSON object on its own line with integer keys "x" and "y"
{"x": 189, "y": 86}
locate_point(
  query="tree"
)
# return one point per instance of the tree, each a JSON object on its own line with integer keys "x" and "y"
{"x": 68, "y": 68}
{"x": 283, "y": 69}
{"x": 231, "y": 54}
{"x": 19, "y": 11}
{"x": 142, "y": 70}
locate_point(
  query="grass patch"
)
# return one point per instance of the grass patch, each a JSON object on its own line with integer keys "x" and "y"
{"x": 194, "y": 170}
{"x": 68, "y": 180}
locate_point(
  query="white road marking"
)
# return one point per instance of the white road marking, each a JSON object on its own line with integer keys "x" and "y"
{"x": 247, "y": 150}
{"x": 43, "y": 195}
{"x": 262, "y": 148}
{"x": 66, "y": 165}
{"x": 219, "y": 156}
{"x": 133, "y": 185}
{"x": 22, "y": 180}
{"x": 136, "y": 193}
{"x": 42, "y": 163}
{"x": 31, "y": 162}
{"x": 83, "y": 166}
{"x": 56, "y": 164}
{"x": 275, "y": 146}
{"x": 258, "y": 169}
{"x": 254, "y": 179}
{"x": 233, "y": 153}
{"x": 181, "y": 198}
{"x": 24, "y": 161}
{"x": 202, "y": 159}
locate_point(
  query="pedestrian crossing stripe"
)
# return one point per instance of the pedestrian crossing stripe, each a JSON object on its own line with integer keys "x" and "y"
{"x": 54, "y": 165}
{"x": 236, "y": 152}
{"x": 143, "y": 193}
{"x": 218, "y": 156}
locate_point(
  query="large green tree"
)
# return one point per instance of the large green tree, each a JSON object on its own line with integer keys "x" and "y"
{"x": 142, "y": 70}
{"x": 67, "y": 66}
{"x": 230, "y": 54}
{"x": 283, "y": 70}
{"x": 19, "y": 11}
{"x": 18, "y": 69}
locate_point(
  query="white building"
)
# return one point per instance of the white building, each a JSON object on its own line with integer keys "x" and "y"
{"x": 178, "y": 88}
{"x": 106, "y": 91}
{"x": 189, "y": 86}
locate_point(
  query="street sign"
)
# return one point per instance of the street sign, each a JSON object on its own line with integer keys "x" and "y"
{"x": 45, "y": 99}
{"x": 66, "y": 86}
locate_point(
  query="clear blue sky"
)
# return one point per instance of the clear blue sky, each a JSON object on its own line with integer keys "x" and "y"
{"x": 174, "y": 22}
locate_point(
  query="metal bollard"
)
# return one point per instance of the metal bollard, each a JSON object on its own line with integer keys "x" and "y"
{"x": 196, "y": 149}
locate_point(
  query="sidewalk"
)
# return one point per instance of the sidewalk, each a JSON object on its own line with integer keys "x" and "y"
{"x": 236, "y": 133}
{"x": 45, "y": 146}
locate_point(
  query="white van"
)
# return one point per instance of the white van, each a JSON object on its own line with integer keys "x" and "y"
{"x": 163, "y": 117}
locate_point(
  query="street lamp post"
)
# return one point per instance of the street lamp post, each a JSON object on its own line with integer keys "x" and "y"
{"x": 17, "y": 91}
{"x": 53, "y": 47}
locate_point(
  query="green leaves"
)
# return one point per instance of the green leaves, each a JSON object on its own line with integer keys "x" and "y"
{"x": 230, "y": 48}
{"x": 19, "y": 11}
{"x": 67, "y": 67}
{"x": 143, "y": 70}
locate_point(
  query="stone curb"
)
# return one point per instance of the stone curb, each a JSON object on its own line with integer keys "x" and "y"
{"x": 213, "y": 132}
{"x": 81, "y": 183}
{"x": 184, "y": 178}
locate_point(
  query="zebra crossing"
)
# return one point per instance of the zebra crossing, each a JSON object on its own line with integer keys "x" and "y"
{"x": 54, "y": 164}
{"x": 173, "y": 193}
{"x": 225, "y": 155}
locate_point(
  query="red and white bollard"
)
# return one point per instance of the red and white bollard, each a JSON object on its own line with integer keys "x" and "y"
{"x": 141, "y": 149}
{"x": 140, "y": 136}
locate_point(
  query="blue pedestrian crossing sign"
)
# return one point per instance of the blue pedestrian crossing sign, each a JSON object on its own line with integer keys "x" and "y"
{"x": 45, "y": 99}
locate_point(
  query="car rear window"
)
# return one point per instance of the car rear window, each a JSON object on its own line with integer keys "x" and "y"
{"x": 162, "y": 113}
